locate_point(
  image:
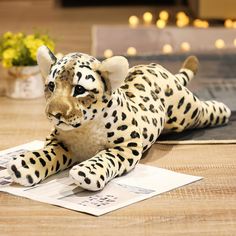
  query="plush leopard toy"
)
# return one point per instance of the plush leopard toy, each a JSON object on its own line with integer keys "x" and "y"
{"x": 107, "y": 115}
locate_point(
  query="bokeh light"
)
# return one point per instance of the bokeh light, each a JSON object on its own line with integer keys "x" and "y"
{"x": 167, "y": 49}
{"x": 108, "y": 53}
{"x": 219, "y": 43}
{"x": 131, "y": 51}
{"x": 133, "y": 21}
{"x": 147, "y": 18}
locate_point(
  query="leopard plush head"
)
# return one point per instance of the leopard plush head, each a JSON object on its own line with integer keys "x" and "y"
{"x": 78, "y": 86}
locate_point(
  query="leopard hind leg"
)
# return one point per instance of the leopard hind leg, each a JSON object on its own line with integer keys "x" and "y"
{"x": 212, "y": 113}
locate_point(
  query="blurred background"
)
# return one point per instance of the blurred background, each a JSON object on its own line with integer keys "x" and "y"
{"x": 163, "y": 31}
{"x": 74, "y": 24}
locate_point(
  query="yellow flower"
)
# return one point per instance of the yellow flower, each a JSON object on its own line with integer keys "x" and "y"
{"x": 51, "y": 45}
{"x": 30, "y": 37}
{"x": 33, "y": 44}
{"x": 20, "y": 49}
{"x": 7, "y": 35}
{"x": 34, "y": 47}
{"x": 9, "y": 43}
{"x": 48, "y": 42}
{"x": 8, "y": 55}
{"x": 19, "y": 35}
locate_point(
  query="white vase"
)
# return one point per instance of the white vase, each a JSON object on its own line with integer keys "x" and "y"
{"x": 24, "y": 82}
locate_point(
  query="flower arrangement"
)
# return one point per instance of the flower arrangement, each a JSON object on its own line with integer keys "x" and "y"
{"x": 20, "y": 49}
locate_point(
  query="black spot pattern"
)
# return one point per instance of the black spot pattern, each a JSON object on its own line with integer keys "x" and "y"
{"x": 123, "y": 116}
{"x": 184, "y": 80}
{"x": 126, "y": 86}
{"x": 139, "y": 87}
{"x": 32, "y": 161}
{"x": 169, "y": 91}
{"x": 181, "y": 102}
{"x": 46, "y": 173}
{"x": 137, "y": 72}
{"x": 41, "y": 160}
{"x": 152, "y": 72}
{"x": 145, "y": 133}
{"x": 105, "y": 114}
{"x": 131, "y": 161}
{"x": 178, "y": 86}
{"x": 145, "y": 78}
{"x": 142, "y": 107}
{"x": 182, "y": 122}
{"x": 151, "y": 138}
{"x": 122, "y": 127}
{"x": 120, "y": 157}
{"x": 164, "y": 75}
{"x": 79, "y": 75}
{"x": 211, "y": 117}
{"x": 81, "y": 173}
{"x": 48, "y": 157}
{"x": 154, "y": 121}
{"x": 132, "y": 144}
{"x": 170, "y": 121}
{"x": 90, "y": 77}
{"x": 29, "y": 178}
{"x": 129, "y": 95}
{"x": 145, "y": 99}
{"x": 108, "y": 125}
{"x": 134, "y": 134}
{"x": 109, "y": 103}
{"x": 112, "y": 162}
{"x": 23, "y": 163}
{"x": 135, "y": 110}
{"x": 135, "y": 152}
{"x": 154, "y": 95}
{"x": 134, "y": 122}
{"x": 110, "y": 134}
{"x": 87, "y": 180}
{"x": 119, "y": 140}
{"x": 169, "y": 110}
{"x": 64, "y": 159}
{"x": 36, "y": 154}
{"x": 16, "y": 172}
{"x": 36, "y": 173}
{"x": 194, "y": 113}
{"x": 187, "y": 108}
{"x": 57, "y": 166}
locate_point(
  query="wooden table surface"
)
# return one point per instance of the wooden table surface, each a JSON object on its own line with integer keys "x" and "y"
{"x": 207, "y": 207}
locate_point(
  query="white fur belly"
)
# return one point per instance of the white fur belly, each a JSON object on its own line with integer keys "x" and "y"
{"x": 85, "y": 141}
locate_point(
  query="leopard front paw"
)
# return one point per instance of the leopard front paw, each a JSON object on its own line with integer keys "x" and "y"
{"x": 88, "y": 178}
{"x": 23, "y": 173}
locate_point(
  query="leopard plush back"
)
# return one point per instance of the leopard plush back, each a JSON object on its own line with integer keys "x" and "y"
{"x": 78, "y": 86}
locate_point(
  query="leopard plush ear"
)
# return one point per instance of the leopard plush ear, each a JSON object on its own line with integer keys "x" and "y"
{"x": 115, "y": 70}
{"x": 45, "y": 59}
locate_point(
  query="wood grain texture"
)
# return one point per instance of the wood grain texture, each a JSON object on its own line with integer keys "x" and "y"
{"x": 207, "y": 207}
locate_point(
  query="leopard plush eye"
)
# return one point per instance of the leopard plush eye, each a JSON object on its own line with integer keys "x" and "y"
{"x": 51, "y": 86}
{"x": 78, "y": 90}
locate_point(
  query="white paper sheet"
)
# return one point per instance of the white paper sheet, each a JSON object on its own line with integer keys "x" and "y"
{"x": 141, "y": 183}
